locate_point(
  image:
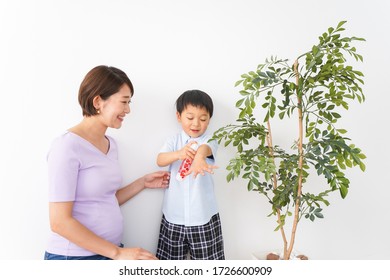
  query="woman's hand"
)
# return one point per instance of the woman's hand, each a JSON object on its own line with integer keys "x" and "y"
{"x": 134, "y": 254}
{"x": 159, "y": 179}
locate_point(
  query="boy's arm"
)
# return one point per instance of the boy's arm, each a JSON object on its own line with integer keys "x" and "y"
{"x": 199, "y": 164}
{"x": 166, "y": 158}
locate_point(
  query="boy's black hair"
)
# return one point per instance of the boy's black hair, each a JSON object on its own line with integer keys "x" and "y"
{"x": 195, "y": 98}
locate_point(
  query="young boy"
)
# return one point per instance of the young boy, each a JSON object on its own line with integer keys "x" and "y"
{"x": 190, "y": 222}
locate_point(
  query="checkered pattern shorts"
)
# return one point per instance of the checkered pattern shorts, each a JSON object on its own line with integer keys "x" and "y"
{"x": 201, "y": 242}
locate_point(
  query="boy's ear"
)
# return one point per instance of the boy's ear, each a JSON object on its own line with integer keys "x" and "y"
{"x": 178, "y": 116}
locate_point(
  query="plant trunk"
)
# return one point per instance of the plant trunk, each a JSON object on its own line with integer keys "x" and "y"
{"x": 300, "y": 166}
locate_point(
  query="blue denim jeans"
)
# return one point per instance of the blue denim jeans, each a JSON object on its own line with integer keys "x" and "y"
{"x": 52, "y": 257}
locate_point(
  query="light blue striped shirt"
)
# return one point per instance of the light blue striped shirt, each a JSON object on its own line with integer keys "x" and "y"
{"x": 191, "y": 202}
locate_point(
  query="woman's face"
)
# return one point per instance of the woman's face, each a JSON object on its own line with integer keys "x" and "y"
{"x": 114, "y": 109}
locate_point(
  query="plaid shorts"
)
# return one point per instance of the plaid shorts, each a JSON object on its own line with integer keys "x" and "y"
{"x": 200, "y": 242}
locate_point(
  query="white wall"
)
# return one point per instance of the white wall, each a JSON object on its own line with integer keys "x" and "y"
{"x": 167, "y": 47}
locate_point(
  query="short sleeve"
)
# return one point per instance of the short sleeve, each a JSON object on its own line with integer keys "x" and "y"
{"x": 63, "y": 169}
{"x": 169, "y": 145}
{"x": 213, "y": 144}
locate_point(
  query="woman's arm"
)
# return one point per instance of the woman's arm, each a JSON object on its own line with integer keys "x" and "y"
{"x": 159, "y": 179}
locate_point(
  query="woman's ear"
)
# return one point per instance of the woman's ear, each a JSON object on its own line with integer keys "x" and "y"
{"x": 97, "y": 102}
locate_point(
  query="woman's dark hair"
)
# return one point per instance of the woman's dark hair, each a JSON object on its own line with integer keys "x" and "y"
{"x": 101, "y": 81}
{"x": 195, "y": 98}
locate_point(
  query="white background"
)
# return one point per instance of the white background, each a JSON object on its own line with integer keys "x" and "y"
{"x": 167, "y": 47}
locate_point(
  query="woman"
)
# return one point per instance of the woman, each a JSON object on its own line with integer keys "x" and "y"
{"x": 85, "y": 191}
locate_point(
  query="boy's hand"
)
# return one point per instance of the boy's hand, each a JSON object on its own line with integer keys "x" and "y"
{"x": 187, "y": 152}
{"x": 200, "y": 166}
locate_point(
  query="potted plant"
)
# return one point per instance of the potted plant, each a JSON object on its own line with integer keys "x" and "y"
{"x": 314, "y": 89}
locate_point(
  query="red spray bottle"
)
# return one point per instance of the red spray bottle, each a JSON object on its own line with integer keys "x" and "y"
{"x": 185, "y": 165}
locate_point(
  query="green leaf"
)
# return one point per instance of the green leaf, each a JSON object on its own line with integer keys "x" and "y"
{"x": 343, "y": 191}
{"x": 362, "y": 156}
{"x": 362, "y": 166}
{"x": 229, "y": 177}
{"x": 341, "y": 23}
{"x": 239, "y": 102}
{"x": 238, "y": 83}
{"x": 319, "y": 215}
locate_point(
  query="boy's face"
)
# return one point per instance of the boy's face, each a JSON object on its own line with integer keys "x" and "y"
{"x": 194, "y": 120}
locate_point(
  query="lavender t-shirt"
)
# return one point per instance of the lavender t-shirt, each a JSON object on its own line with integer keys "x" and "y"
{"x": 81, "y": 173}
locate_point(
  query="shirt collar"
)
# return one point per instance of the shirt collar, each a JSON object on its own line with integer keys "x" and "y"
{"x": 186, "y": 138}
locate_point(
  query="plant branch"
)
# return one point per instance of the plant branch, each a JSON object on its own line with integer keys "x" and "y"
{"x": 275, "y": 182}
